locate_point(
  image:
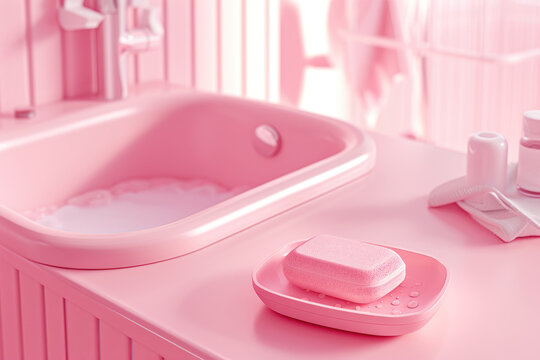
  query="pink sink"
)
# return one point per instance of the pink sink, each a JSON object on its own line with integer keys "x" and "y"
{"x": 282, "y": 157}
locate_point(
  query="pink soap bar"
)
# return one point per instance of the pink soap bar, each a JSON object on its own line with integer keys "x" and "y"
{"x": 344, "y": 268}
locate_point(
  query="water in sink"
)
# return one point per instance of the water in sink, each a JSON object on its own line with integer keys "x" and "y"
{"x": 132, "y": 205}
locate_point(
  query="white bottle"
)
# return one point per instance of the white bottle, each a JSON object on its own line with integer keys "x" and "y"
{"x": 487, "y": 157}
{"x": 528, "y": 174}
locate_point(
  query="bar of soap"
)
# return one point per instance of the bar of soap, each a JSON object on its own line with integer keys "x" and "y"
{"x": 344, "y": 268}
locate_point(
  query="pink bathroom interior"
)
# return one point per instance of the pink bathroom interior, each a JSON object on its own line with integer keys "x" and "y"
{"x": 435, "y": 71}
{"x": 172, "y": 169}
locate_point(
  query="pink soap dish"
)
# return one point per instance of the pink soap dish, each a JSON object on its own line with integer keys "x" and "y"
{"x": 405, "y": 309}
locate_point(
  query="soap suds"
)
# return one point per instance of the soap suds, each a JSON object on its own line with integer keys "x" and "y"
{"x": 132, "y": 205}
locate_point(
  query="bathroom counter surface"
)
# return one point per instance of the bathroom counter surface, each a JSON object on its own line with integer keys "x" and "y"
{"x": 206, "y": 300}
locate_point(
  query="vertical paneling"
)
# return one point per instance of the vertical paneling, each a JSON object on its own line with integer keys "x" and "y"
{"x": 113, "y": 344}
{"x": 206, "y": 45}
{"x": 55, "y": 322}
{"x": 30, "y": 51}
{"x": 32, "y": 318}
{"x": 36, "y": 323}
{"x": 178, "y": 47}
{"x": 82, "y": 334}
{"x": 219, "y": 49}
{"x": 79, "y": 50}
{"x": 273, "y": 50}
{"x": 46, "y": 46}
{"x": 151, "y": 63}
{"x": 141, "y": 352}
{"x": 256, "y": 59}
{"x": 79, "y": 61}
{"x": 231, "y": 45}
{"x": 11, "y": 313}
{"x": 131, "y": 59}
{"x": 14, "y": 77}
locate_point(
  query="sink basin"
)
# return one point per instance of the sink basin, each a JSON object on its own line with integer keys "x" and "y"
{"x": 281, "y": 157}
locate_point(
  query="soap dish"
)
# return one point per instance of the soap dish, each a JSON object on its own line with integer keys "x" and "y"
{"x": 405, "y": 309}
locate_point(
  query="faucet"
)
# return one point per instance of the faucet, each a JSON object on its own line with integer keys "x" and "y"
{"x": 115, "y": 40}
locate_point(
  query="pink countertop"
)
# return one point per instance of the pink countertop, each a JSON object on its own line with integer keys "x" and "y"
{"x": 491, "y": 309}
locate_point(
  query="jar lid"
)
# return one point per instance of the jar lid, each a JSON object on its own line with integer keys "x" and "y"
{"x": 531, "y": 123}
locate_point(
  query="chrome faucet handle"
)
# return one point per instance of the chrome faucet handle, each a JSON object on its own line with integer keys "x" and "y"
{"x": 150, "y": 20}
{"x": 148, "y": 33}
{"x": 73, "y": 15}
{"x": 148, "y": 17}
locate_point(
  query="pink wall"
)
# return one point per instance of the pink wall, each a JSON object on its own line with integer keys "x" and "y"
{"x": 266, "y": 49}
{"x": 216, "y": 45}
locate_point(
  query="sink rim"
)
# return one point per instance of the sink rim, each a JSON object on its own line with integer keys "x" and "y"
{"x": 97, "y": 251}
